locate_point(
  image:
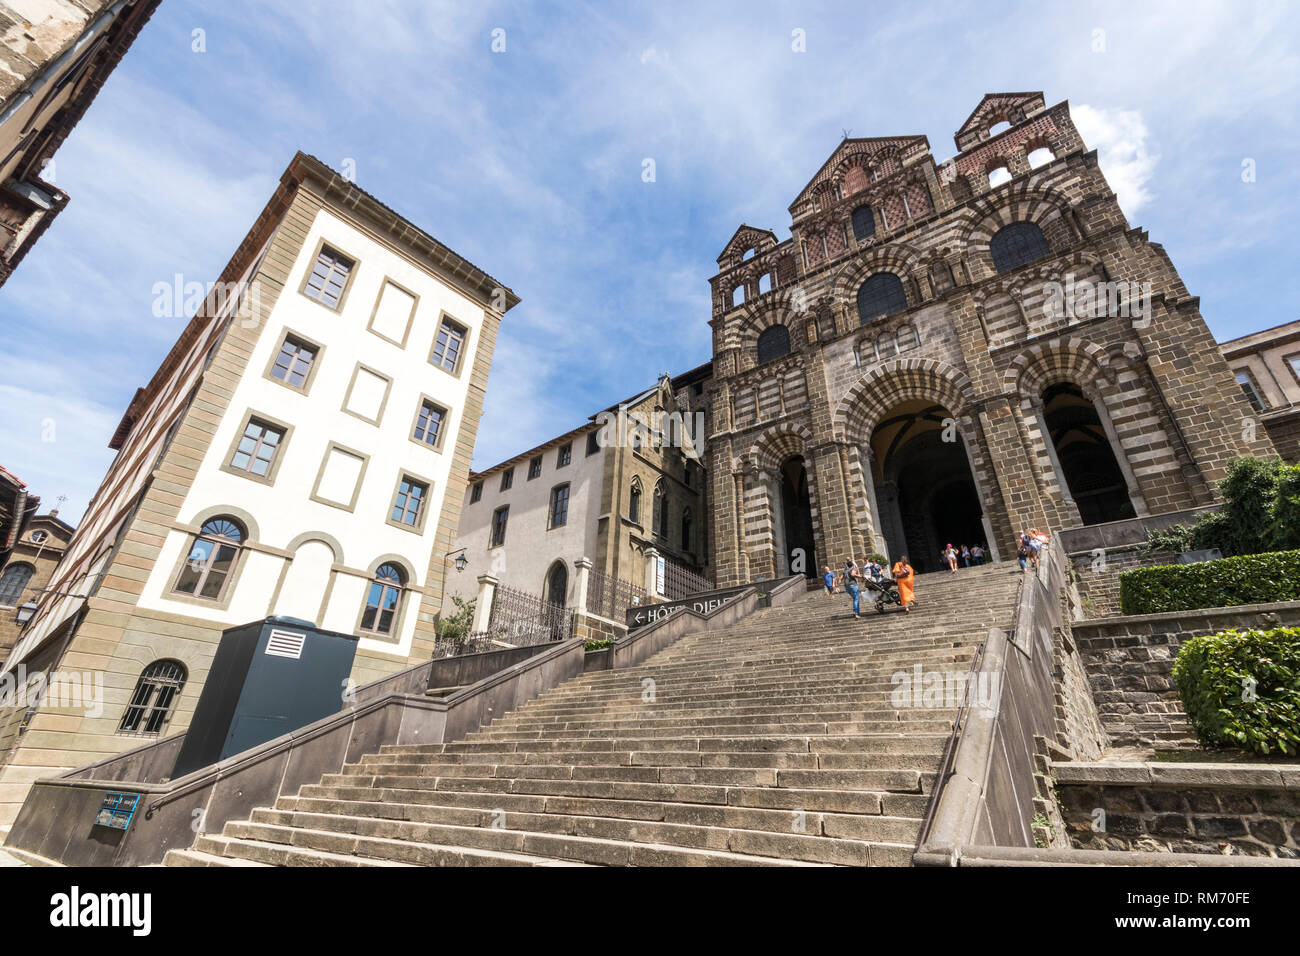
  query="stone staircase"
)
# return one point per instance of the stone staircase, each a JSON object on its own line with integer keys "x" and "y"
{"x": 772, "y": 742}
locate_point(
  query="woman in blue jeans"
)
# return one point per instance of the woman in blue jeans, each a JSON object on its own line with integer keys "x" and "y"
{"x": 851, "y": 575}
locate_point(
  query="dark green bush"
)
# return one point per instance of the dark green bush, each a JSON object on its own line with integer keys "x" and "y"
{"x": 1242, "y": 689}
{"x": 1245, "y": 579}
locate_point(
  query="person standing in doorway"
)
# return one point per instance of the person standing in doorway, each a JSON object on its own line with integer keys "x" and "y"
{"x": 903, "y": 577}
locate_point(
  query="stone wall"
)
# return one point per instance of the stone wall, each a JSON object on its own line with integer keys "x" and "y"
{"x": 1250, "y": 810}
{"x": 1129, "y": 661}
{"x": 1096, "y": 576}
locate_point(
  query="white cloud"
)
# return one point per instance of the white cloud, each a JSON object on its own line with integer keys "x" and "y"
{"x": 1120, "y": 138}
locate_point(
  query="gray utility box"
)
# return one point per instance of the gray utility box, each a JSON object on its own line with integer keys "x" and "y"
{"x": 267, "y": 679}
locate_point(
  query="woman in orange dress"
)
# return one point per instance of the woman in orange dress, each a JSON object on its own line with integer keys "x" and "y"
{"x": 903, "y": 576}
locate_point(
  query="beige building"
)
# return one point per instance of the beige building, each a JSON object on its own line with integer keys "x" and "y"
{"x": 626, "y": 491}
{"x": 1267, "y": 367}
{"x": 54, "y": 57}
{"x": 302, "y": 451}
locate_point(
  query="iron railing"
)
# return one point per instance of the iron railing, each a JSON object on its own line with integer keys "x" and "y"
{"x": 518, "y": 619}
{"x": 679, "y": 581}
{"x": 609, "y": 597}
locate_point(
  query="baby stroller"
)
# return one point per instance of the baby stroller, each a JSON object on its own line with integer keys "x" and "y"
{"x": 886, "y": 592}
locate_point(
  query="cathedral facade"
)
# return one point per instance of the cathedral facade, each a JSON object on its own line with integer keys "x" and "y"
{"x": 953, "y": 352}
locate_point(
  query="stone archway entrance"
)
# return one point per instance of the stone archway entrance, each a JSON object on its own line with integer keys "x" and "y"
{"x": 1083, "y": 451}
{"x": 925, "y": 492}
{"x": 796, "y": 540}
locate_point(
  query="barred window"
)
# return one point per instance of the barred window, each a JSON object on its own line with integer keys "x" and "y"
{"x": 155, "y": 695}
{"x": 880, "y": 295}
{"x": 329, "y": 277}
{"x": 1016, "y": 245}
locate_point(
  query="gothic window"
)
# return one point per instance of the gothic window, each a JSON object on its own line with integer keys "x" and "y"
{"x": 864, "y": 223}
{"x": 773, "y": 343}
{"x": 211, "y": 560}
{"x": 634, "y": 502}
{"x": 1016, "y": 245}
{"x": 153, "y": 699}
{"x": 882, "y": 294}
{"x": 660, "y": 515}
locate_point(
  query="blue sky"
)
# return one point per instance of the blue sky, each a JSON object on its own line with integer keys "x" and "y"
{"x": 528, "y": 162}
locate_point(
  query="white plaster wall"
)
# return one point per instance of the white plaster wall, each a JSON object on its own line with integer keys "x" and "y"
{"x": 285, "y": 511}
{"x": 530, "y": 548}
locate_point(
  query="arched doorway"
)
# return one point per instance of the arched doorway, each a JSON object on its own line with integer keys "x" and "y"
{"x": 557, "y": 584}
{"x": 926, "y": 495}
{"x": 796, "y": 541}
{"x": 1084, "y": 453}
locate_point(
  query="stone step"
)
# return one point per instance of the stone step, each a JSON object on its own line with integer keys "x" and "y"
{"x": 600, "y": 840}
{"x": 199, "y": 858}
{"x": 921, "y": 760}
{"x": 294, "y": 847}
{"x": 520, "y": 849}
{"x": 862, "y": 743}
{"x": 729, "y": 728}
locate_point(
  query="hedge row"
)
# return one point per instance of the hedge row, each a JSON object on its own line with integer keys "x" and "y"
{"x": 1227, "y": 582}
{"x": 1242, "y": 689}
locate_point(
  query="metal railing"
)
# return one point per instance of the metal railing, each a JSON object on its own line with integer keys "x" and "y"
{"x": 679, "y": 581}
{"x": 609, "y": 597}
{"x": 518, "y": 619}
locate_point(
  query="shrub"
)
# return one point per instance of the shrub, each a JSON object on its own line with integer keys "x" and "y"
{"x": 1242, "y": 689}
{"x": 1261, "y": 512}
{"x": 1245, "y": 579}
{"x": 455, "y": 627}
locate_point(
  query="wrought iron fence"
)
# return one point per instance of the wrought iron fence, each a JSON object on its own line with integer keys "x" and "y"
{"x": 609, "y": 597}
{"x": 679, "y": 581}
{"x": 518, "y": 619}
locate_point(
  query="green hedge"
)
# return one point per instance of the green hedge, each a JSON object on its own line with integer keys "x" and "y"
{"x": 1242, "y": 689}
{"x": 1244, "y": 579}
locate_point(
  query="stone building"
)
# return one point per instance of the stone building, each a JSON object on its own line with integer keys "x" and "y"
{"x": 54, "y": 57}
{"x": 27, "y": 572}
{"x": 1267, "y": 367}
{"x": 613, "y": 492}
{"x": 302, "y": 450}
{"x": 956, "y": 351}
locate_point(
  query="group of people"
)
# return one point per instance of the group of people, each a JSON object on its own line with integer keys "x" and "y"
{"x": 969, "y": 557}
{"x": 1028, "y": 544}
{"x": 871, "y": 573}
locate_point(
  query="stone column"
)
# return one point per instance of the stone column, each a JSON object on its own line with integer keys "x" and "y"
{"x": 580, "y": 586}
{"x": 652, "y": 575}
{"x": 487, "y": 586}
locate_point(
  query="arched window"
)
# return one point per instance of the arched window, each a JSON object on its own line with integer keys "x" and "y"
{"x": 211, "y": 561}
{"x": 383, "y": 601}
{"x": 154, "y": 698}
{"x": 1001, "y": 126}
{"x": 864, "y": 223}
{"x": 999, "y": 175}
{"x": 1016, "y": 245}
{"x": 1040, "y": 157}
{"x": 773, "y": 343}
{"x": 557, "y": 584}
{"x": 882, "y": 294}
{"x": 634, "y": 502}
{"x": 738, "y": 295}
{"x": 686, "y": 530}
{"x": 14, "y": 582}
{"x": 765, "y": 283}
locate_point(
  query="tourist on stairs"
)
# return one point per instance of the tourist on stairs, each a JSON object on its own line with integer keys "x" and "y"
{"x": 851, "y": 575}
{"x": 903, "y": 576}
{"x": 828, "y": 578}
{"x": 950, "y": 555}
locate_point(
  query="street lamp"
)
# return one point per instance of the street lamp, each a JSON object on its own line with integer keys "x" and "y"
{"x": 25, "y": 612}
{"x": 461, "y": 562}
